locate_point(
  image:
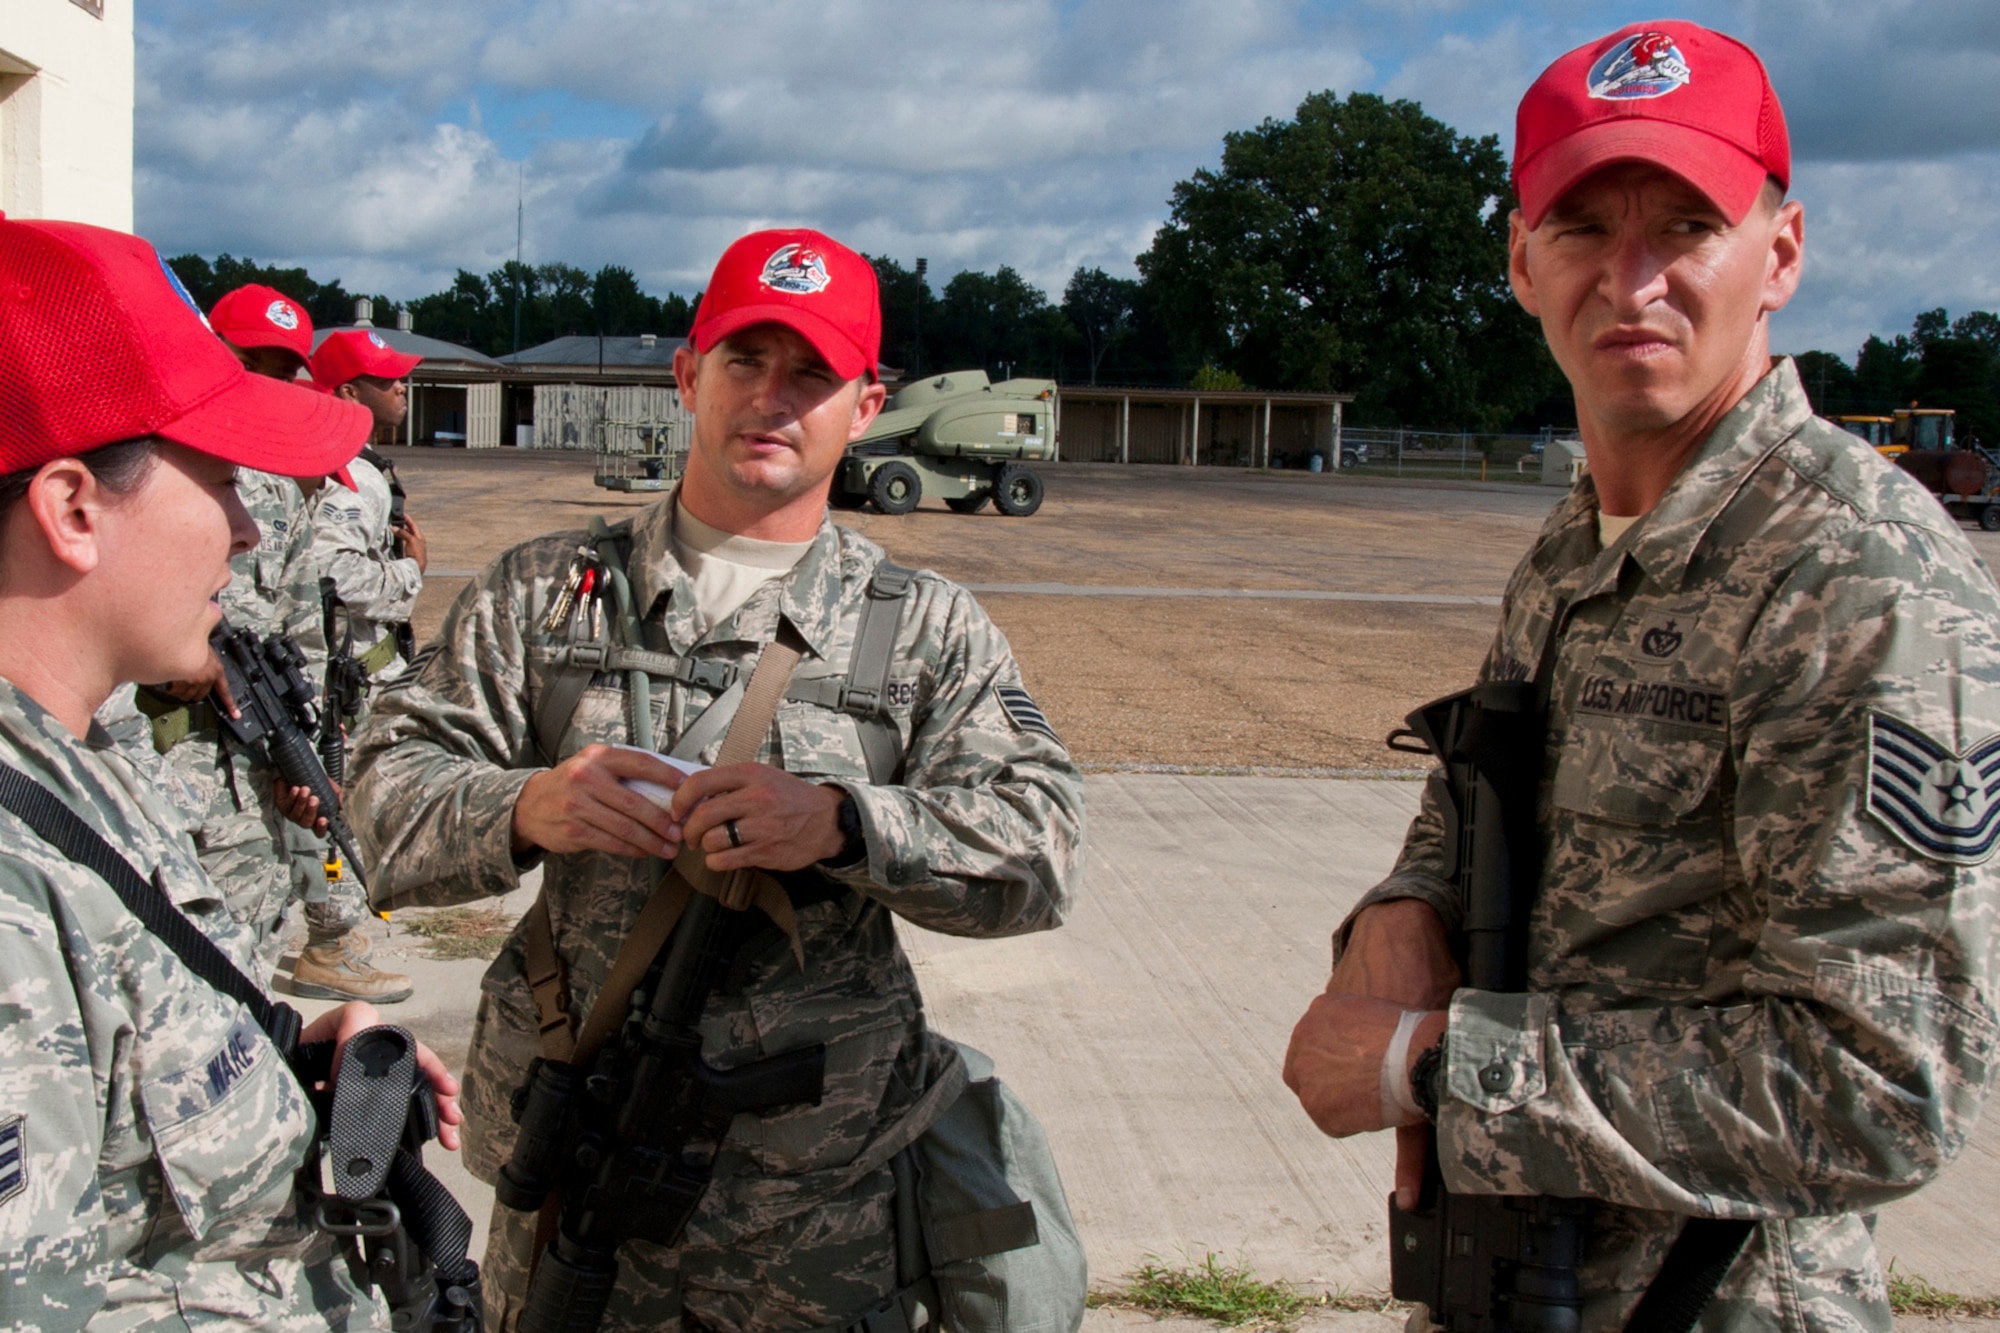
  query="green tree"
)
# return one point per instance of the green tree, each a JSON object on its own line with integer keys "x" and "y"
{"x": 1100, "y": 308}
{"x": 1831, "y": 383}
{"x": 998, "y": 322}
{"x": 908, "y": 311}
{"x": 1885, "y": 371}
{"x": 1361, "y": 245}
{"x": 326, "y": 303}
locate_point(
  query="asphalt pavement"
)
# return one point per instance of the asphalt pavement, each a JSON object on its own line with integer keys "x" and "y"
{"x": 1148, "y": 1035}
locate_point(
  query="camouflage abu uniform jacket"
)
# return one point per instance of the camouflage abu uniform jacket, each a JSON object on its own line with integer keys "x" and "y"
{"x": 982, "y": 836}
{"x": 259, "y": 860}
{"x": 355, "y": 548}
{"x": 1761, "y": 977}
{"x": 148, "y": 1132}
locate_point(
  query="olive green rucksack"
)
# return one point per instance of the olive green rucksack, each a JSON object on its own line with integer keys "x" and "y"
{"x": 1003, "y": 1249}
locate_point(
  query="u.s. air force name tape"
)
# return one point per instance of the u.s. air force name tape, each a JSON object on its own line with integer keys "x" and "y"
{"x": 1024, "y": 713}
{"x": 1944, "y": 804}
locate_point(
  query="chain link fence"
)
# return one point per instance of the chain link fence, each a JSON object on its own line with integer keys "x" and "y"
{"x": 1443, "y": 454}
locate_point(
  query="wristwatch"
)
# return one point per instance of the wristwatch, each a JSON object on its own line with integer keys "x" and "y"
{"x": 853, "y": 845}
{"x": 1426, "y": 1078}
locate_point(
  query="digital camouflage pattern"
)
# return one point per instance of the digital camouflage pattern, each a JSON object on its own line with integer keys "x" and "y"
{"x": 260, "y": 861}
{"x": 354, "y": 547}
{"x": 161, "y": 1130}
{"x": 1750, "y": 994}
{"x": 981, "y": 836}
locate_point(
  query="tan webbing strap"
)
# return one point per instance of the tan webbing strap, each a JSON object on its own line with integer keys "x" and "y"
{"x": 669, "y": 898}
{"x": 642, "y": 944}
{"x": 545, "y": 981}
{"x": 740, "y": 745}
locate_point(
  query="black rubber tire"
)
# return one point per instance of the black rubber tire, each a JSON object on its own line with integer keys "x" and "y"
{"x": 895, "y": 488}
{"x": 844, "y": 499}
{"x": 1348, "y": 458}
{"x": 1017, "y": 492}
{"x": 968, "y": 504}
{"x": 1989, "y": 518}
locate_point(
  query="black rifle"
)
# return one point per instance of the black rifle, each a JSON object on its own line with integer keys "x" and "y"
{"x": 379, "y": 1113}
{"x": 1486, "y": 1263}
{"x": 631, "y": 1140}
{"x": 346, "y": 682}
{"x": 279, "y": 716}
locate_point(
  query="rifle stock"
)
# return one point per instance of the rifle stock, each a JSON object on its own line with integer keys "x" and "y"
{"x": 1488, "y": 1263}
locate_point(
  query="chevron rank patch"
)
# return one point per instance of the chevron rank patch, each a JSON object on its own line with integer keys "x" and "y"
{"x": 1944, "y": 804}
{"x": 13, "y": 1156}
{"x": 1022, "y": 710}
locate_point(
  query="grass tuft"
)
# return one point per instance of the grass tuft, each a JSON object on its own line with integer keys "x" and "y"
{"x": 1228, "y": 1294}
{"x": 459, "y": 932}
{"x": 1914, "y": 1296}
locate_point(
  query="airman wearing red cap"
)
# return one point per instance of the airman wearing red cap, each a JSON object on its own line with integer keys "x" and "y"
{"x": 151, "y": 1133}
{"x": 367, "y": 543}
{"x": 1760, "y": 985}
{"x": 887, "y": 759}
{"x": 261, "y": 864}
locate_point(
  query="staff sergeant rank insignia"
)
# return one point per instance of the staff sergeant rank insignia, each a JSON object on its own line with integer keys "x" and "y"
{"x": 13, "y": 1156}
{"x": 1023, "y": 712}
{"x": 1945, "y": 805}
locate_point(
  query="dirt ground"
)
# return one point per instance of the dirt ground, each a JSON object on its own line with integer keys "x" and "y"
{"x": 1205, "y": 682}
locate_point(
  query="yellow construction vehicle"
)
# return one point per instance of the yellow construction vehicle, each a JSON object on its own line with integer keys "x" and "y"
{"x": 1910, "y": 428}
{"x": 1875, "y": 430}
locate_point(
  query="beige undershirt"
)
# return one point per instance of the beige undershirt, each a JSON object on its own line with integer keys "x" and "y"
{"x": 725, "y": 568}
{"x": 1610, "y": 528}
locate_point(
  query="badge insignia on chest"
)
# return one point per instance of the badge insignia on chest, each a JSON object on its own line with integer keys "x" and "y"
{"x": 13, "y": 1156}
{"x": 1943, "y": 804}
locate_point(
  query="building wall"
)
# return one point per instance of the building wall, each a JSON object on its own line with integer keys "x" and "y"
{"x": 1231, "y": 434}
{"x": 586, "y": 416}
{"x": 66, "y": 110}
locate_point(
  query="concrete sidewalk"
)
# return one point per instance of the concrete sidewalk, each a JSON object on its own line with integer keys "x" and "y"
{"x": 1149, "y": 1031}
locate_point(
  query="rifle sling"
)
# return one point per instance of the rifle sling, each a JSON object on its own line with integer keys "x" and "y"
{"x": 63, "y": 829}
{"x": 655, "y": 923}
{"x": 1690, "y": 1275}
{"x": 656, "y": 920}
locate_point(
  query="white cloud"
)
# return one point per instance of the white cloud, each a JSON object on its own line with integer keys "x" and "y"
{"x": 380, "y": 141}
{"x": 1886, "y": 240}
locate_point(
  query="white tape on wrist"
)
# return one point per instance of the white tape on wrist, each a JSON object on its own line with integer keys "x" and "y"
{"x": 1399, "y": 1107}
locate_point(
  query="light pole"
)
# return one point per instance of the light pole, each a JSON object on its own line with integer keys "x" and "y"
{"x": 917, "y": 348}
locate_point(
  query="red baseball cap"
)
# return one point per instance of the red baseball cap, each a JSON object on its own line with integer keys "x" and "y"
{"x": 805, "y": 280}
{"x": 260, "y": 316}
{"x": 1666, "y": 92}
{"x": 349, "y": 353}
{"x": 100, "y": 343}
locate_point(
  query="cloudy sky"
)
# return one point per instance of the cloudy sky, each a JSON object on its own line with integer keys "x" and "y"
{"x": 383, "y": 141}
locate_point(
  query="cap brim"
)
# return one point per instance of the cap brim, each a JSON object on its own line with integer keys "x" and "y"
{"x": 839, "y": 351}
{"x": 274, "y": 427}
{"x": 1729, "y": 177}
{"x": 394, "y": 366}
{"x": 263, "y": 337}
{"x": 345, "y": 477}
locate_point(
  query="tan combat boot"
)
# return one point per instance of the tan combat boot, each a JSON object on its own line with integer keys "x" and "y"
{"x": 339, "y": 970}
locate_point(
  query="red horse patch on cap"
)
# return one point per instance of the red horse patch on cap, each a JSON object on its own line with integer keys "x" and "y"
{"x": 798, "y": 269}
{"x": 1646, "y": 64}
{"x": 281, "y": 314}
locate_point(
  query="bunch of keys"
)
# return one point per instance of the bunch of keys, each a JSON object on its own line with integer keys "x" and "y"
{"x": 577, "y": 585}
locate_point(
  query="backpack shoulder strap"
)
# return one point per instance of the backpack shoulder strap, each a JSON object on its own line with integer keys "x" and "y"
{"x": 63, "y": 829}
{"x": 868, "y": 670}
{"x": 581, "y": 661}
